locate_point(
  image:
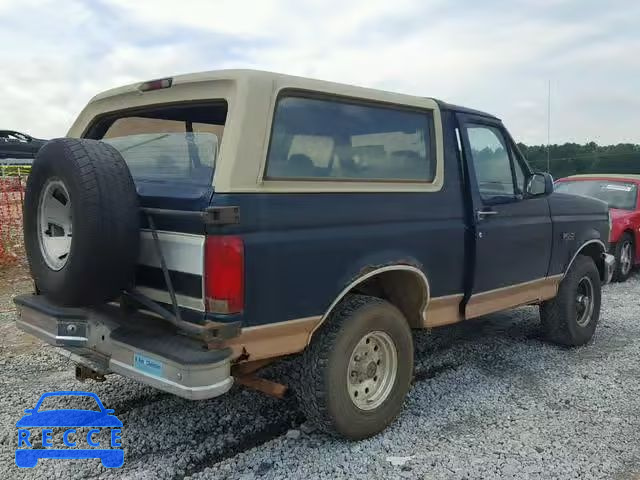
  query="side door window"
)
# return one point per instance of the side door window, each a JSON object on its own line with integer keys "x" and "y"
{"x": 499, "y": 179}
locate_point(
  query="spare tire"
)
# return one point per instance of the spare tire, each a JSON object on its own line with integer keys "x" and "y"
{"x": 81, "y": 222}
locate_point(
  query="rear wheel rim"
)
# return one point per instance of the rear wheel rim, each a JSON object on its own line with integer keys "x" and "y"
{"x": 625, "y": 258}
{"x": 54, "y": 224}
{"x": 584, "y": 301}
{"x": 372, "y": 371}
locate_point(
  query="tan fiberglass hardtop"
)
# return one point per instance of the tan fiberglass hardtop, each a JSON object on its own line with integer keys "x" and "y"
{"x": 251, "y": 97}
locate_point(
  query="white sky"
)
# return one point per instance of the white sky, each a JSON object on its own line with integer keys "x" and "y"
{"x": 492, "y": 55}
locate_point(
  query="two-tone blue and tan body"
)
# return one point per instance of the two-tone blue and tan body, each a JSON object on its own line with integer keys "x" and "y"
{"x": 309, "y": 242}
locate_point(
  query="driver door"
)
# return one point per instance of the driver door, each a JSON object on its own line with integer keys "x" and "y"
{"x": 513, "y": 233}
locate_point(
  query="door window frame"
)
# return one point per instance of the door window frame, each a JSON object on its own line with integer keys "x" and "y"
{"x": 518, "y": 157}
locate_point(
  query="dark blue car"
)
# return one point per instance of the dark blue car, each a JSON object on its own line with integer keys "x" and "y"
{"x": 104, "y": 418}
{"x": 247, "y": 217}
{"x": 16, "y": 145}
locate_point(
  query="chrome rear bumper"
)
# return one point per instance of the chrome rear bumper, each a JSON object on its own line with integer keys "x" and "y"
{"x": 136, "y": 346}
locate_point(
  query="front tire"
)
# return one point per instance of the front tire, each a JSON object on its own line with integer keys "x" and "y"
{"x": 571, "y": 317}
{"x": 357, "y": 371}
{"x": 625, "y": 258}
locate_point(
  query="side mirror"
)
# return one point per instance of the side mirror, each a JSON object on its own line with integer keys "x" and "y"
{"x": 28, "y": 410}
{"x": 539, "y": 184}
{"x": 109, "y": 411}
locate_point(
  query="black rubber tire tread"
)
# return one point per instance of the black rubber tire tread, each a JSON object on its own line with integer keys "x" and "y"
{"x": 105, "y": 219}
{"x": 618, "y": 276}
{"x": 558, "y": 315}
{"x": 313, "y": 383}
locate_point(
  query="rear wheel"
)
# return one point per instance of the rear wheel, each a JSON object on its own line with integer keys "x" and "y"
{"x": 625, "y": 258}
{"x": 571, "y": 317}
{"x": 356, "y": 373}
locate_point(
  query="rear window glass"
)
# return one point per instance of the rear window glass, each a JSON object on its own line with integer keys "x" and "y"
{"x": 176, "y": 143}
{"x": 327, "y": 139}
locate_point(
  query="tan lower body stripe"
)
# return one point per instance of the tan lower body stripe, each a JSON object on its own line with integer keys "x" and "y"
{"x": 273, "y": 340}
{"x": 293, "y": 336}
{"x": 502, "y": 298}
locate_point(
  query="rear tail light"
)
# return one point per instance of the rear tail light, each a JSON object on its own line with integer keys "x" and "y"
{"x": 224, "y": 274}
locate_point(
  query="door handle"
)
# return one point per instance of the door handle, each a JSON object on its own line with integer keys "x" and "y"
{"x": 480, "y": 214}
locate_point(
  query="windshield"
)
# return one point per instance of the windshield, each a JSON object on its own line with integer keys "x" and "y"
{"x": 617, "y": 194}
{"x": 174, "y": 143}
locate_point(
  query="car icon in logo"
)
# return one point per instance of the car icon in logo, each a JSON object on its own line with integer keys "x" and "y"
{"x": 69, "y": 419}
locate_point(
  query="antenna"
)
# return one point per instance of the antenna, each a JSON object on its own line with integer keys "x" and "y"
{"x": 548, "y": 126}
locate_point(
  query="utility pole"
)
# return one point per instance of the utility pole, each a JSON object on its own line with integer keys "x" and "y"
{"x": 549, "y": 127}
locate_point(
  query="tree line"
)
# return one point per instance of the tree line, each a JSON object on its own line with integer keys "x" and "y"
{"x": 572, "y": 158}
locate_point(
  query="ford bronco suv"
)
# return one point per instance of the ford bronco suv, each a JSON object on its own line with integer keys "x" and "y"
{"x": 190, "y": 230}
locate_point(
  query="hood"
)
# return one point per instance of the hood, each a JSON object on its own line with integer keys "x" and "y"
{"x": 571, "y": 204}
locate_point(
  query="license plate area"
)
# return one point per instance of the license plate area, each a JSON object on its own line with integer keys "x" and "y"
{"x": 148, "y": 365}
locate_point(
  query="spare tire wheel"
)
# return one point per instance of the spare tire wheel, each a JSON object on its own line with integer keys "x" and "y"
{"x": 81, "y": 222}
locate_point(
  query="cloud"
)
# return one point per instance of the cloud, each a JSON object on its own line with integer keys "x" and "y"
{"x": 491, "y": 55}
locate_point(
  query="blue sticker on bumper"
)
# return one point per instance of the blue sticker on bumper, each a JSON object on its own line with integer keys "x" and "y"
{"x": 148, "y": 365}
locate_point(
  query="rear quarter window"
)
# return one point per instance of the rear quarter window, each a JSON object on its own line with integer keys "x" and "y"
{"x": 316, "y": 139}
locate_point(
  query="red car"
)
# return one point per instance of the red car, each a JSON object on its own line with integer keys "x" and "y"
{"x": 621, "y": 194}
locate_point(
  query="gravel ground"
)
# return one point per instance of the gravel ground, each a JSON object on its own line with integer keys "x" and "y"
{"x": 491, "y": 400}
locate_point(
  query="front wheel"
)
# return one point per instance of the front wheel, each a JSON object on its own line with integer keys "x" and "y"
{"x": 625, "y": 258}
{"x": 571, "y": 317}
{"x": 356, "y": 373}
